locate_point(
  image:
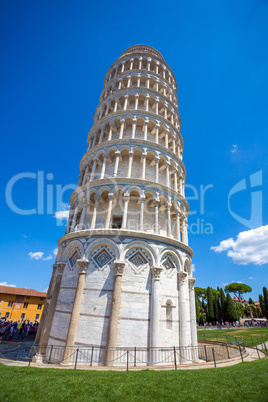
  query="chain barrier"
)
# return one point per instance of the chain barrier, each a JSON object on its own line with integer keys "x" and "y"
{"x": 126, "y": 356}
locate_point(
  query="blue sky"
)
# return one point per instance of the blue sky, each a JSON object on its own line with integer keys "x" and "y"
{"x": 54, "y": 56}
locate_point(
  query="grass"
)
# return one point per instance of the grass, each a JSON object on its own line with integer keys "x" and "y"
{"x": 251, "y": 336}
{"x": 245, "y": 381}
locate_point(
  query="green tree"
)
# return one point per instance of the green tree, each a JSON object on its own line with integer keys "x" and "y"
{"x": 197, "y": 308}
{"x": 230, "y": 309}
{"x": 262, "y": 305}
{"x": 265, "y": 296}
{"x": 250, "y": 301}
{"x": 240, "y": 310}
{"x": 201, "y": 293}
{"x": 223, "y": 300}
{"x": 210, "y": 308}
{"x": 217, "y": 307}
{"x": 238, "y": 289}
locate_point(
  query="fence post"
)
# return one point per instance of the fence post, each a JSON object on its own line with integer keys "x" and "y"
{"x": 127, "y": 359}
{"x": 214, "y": 357}
{"x": 91, "y": 358}
{"x": 76, "y": 357}
{"x": 241, "y": 353}
{"x": 17, "y": 355}
{"x": 50, "y": 353}
{"x": 135, "y": 351}
{"x": 227, "y": 351}
{"x": 258, "y": 351}
{"x": 175, "y": 360}
{"x": 30, "y": 356}
{"x": 206, "y": 353}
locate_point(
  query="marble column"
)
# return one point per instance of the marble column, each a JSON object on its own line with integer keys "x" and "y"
{"x": 85, "y": 175}
{"x": 81, "y": 174}
{"x": 117, "y": 156}
{"x": 184, "y": 312}
{"x": 142, "y": 199}
{"x": 178, "y": 226}
{"x": 72, "y": 330}
{"x": 124, "y": 221}
{"x": 157, "y": 132}
{"x": 74, "y": 218}
{"x": 94, "y": 215}
{"x": 122, "y": 128}
{"x": 134, "y": 122}
{"x": 51, "y": 310}
{"x": 114, "y": 311}
{"x": 157, "y": 159}
{"x": 168, "y": 219}
{"x": 191, "y": 282}
{"x": 83, "y": 214}
{"x": 95, "y": 160}
{"x": 154, "y": 312}
{"x": 46, "y": 305}
{"x": 109, "y": 211}
{"x": 143, "y": 165}
{"x": 105, "y": 156}
{"x": 146, "y": 122}
{"x": 156, "y": 209}
{"x": 130, "y": 163}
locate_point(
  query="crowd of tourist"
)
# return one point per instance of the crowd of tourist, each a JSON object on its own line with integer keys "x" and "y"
{"x": 23, "y": 329}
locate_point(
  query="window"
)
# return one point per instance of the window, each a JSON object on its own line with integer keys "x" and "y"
{"x": 39, "y": 307}
{"x": 10, "y": 304}
{"x": 41, "y": 298}
{"x": 37, "y": 316}
{"x": 117, "y": 222}
{"x": 27, "y": 298}
{"x": 7, "y": 315}
{"x": 22, "y": 316}
{"x": 25, "y": 305}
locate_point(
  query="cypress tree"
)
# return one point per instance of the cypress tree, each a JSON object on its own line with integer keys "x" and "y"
{"x": 250, "y": 301}
{"x": 262, "y": 305}
{"x": 210, "y": 308}
{"x": 230, "y": 309}
{"x": 223, "y": 300}
{"x": 265, "y": 296}
{"x": 197, "y": 308}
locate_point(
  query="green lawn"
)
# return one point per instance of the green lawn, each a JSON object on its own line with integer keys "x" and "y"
{"x": 251, "y": 336}
{"x": 245, "y": 381}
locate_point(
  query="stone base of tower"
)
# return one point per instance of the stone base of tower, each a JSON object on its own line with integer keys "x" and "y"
{"x": 137, "y": 293}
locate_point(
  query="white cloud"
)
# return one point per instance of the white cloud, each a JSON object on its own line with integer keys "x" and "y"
{"x": 55, "y": 251}
{"x": 63, "y": 214}
{"x": 49, "y": 257}
{"x": 225, "y": 284}
{"x": 36, "y": 256}
{"x": 250, "y": 247}
{"x": 234, "y": 148}
{"x": 6, "y": 284}
{"x": 250, "y": 277}
{"x": 193, "y": 267}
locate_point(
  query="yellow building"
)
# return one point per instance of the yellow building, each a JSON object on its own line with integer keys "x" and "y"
{"x": 21, "y": 304}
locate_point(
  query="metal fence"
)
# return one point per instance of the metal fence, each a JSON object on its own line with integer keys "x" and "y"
{"x": 123, "y": 357}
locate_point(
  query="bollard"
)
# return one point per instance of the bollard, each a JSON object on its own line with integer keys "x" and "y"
{"x": 50, "y": 353}
{"x": 175, "y": 360}
{"x": 91, "y": 358}
{"x": 258, "y": 351}
{"x": 76, "y": 357}
{"x": 213, "y": 353}
{"x": 135, "y": 352}
{"x": 227, "y": 351}
{"x": 17, "y": 355}
{"x": 127, "y": 359}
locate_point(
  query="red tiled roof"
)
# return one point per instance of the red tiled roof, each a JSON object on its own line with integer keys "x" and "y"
{"x": 21, "y": 291}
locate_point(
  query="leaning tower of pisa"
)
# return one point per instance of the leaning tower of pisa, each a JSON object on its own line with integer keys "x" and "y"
{"x": 123, "y": 274}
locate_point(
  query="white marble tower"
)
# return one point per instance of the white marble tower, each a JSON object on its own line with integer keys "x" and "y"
{"x": 123, "y": 274}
